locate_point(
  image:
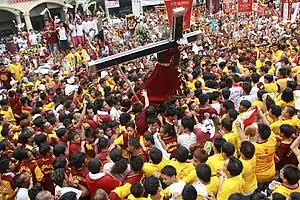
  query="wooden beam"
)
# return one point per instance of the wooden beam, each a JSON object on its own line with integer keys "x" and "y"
{"x": 140, "y": 52}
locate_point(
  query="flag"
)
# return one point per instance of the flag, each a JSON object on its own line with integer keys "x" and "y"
{"x": 163, "y": 82}
{"x": 244, "y": 6}
{"x": 248, "y": 117}
{"x": 186, "y": 4}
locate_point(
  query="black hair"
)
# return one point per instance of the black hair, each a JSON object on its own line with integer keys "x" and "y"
{"x": 119, "y": 167}
{"x": 137, "y": 190}
{"x": 246, "y": 104}
{"x": 203, "y": 172}
{"x": 59, "y": 150}
{"x": 258, "y": 196}
{"x": 218, "y": 143}
{"x": 40, "y": 139}
{"x": 228, "y": 149}
{"x": 59, "y": 163}
{"x": 291, "y": 173}
{"x": 227, "y": 124}
{"x": 78, "y": 160}
{"x": 133, "y": 142}
{"x": 155, "y": 155}
{"x": 237, "y": 196}
{"x": 169, "y": 130}
{"x": 264, "y": 131}
{"x": 276, "y": 110}
{"x": 151, "y": 185}
{"x": 278, "y": 196}
{"x": 233, "y": 114}
{"x": 102, "y": 143}
{"x": 169, "y": 171}
{"x": 32, "y": 192}
{"x": 26, "y": 133}
{"x": 247, "y": 149}
{"x": 171, "y": 111}
{"x": 4, "y": 164}
{"x": 287, "y": 130}
{"x": 136, "y": 163}
{"x": 182, "y": 154}
{"x": 124, "y": 118}
{"x": 269, "y": 78}
{"x": 247, "y": 87}
{"x": 94, "y": 166}
{"x": 295, "y": 196}
{"x": 203, "y": 98}
{"x": 150, "y": 138}
{"x": 290, "y": 110}
{"x": 235, "y": 166}
{"x": 58, "y": 176}
{"x": 61, "y": 132}
{"x": 115, "y": 155}
{"x": 260, "y": 94}
{"x": 44, "y": 149}
{"x": 187, "y": 123}
{"x": 226, "y": 93}
{"x": 287, "y": 95}
{"x": 189, "y": 192}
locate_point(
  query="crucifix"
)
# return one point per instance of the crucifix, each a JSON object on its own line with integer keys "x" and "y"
{"x": 160, "y": 47}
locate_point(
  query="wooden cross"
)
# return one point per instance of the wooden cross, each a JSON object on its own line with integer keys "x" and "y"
{"x": 158, "y": 47}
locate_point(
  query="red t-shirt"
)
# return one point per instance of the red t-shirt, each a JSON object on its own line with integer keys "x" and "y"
{"x": 50, "y": 37}
{"x": 106, "y": 182}
{"x": 74, "y": 148}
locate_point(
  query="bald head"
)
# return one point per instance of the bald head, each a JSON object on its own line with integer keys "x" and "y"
{"x": 100, "y": 195}
{"x": 44, "y": 194}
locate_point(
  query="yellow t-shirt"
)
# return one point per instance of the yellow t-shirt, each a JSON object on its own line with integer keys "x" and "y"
{"x": 232, "y": 138}
{"x": 131, "y": 197}
{"x": 182, "y": 169}
{"x": 215, "y": 162}
{"x": 271, "y": 87}
{"x": 213, "y": 185}
{"x": 123, "y": 191}
{"x": 150, "y": 168}
{"x": 286, "y": 191}
{"x": 265, "y": 164}
{"x": 16, "y": 69}
{"x": 8, "y": 114}
{"x": 275, "y": 126}
{"x": 191, "y": 177}
{"x": 231, "y": 186}
{"x": 258, "y": 103}
{"x": 284, "y": 104}
{"x": 259, "y": 64}
{"x": 248, "y": 175}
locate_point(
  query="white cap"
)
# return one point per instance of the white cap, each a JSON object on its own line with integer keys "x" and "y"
{"x": 104, "y": 74}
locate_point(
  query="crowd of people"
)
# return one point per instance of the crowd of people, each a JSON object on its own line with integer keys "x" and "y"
{"x": 231, "y": 131}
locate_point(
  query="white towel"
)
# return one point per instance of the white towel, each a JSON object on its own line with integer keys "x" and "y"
{"x": 159, "y": 146}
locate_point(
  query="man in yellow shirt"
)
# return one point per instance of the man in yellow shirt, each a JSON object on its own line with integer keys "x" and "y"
{"x": 274, "y": 114}
{"x": 182, "y": 167}
{"x": 290, "y": 175}
{"x": 7, "y": 111}
{"x": 73, "y": 58}
{"x": 204, "y": 175}
{"x": 227, "y": 133}
{"x": 16, "y": 69}
{"x": 248, "y": 159}
{"x": 261, "y": 61}
{"x": 157, "y": 162}
{"x": 231, "y": 180}
{"x": 216, "y": 161}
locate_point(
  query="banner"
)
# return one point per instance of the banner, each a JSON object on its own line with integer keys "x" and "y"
{"x": 186, "y": 4}
{"x": 112, "y": 3}
{"x": 289, "y": 7}
{"x": 244, "y": 6}
{"x": 227, "y": 6}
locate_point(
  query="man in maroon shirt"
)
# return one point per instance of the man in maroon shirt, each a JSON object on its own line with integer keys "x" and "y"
{"x": 50, "y": 35}
{"x": 5, "y": 76}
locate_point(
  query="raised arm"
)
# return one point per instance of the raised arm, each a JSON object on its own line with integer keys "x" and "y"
{"x": 145, "y": 95}
{"x": 241, "y": 132}
{"x": 295, "y": 147}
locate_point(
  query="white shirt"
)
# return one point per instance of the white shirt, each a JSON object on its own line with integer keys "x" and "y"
{"x": 94, "y": 25}
{"x": 115, "y": 114}
{"x": 22, "y": 194}
{"x": 79, "y": 29}
{"x": 235, "y": 93}
{"x": 33, "y": 38}
{"x": 62, "y": 33}
{"x": 73, "y": 28}
{"x": 59, "y": 191}
{"x": 187, "y": 140}
{"x": 249, "y": 97}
